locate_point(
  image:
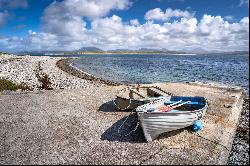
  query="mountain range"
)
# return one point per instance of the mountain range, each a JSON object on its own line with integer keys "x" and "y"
{"x": 140, "y": 50}
{"x": 143, "y": 50}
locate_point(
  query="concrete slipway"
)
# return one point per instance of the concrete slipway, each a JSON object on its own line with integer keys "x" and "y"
{"x": 80, "y": 126}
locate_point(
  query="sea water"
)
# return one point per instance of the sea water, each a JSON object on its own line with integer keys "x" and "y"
{"x": 151, "y": 68}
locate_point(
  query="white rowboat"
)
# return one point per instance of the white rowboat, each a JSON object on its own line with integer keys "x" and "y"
{"x": 155, "y": 122}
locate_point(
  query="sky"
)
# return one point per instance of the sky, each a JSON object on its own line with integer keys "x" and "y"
{"x": 181, "y": 25}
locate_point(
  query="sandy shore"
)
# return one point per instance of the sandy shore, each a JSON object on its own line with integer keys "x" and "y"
{"x": 28, "y": 69}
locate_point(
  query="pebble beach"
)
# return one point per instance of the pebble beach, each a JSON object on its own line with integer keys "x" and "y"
{"x": 28, "y": 69}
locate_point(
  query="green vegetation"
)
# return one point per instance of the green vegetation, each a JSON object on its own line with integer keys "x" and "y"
{"x": 3, "y": 53}
{"x": 9, "y": 85}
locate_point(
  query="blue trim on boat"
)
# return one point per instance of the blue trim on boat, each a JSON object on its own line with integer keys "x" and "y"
{"x": 190, "y": 103}
{"x": 186, "y": 98}
{"x": 199, "y": 101}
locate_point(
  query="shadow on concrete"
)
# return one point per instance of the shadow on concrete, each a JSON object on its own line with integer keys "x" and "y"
{"x": 110, "y": 107}
{"x": 112, "y": 134}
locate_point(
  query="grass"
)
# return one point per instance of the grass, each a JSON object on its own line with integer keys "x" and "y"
{"x": 9, "y": 85}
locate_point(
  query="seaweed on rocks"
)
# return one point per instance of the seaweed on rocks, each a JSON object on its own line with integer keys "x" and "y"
{"x": 43, "y": 78}
{"x": 64, "y": 64}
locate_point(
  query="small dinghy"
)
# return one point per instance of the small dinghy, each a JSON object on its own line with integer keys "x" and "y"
{"x": 131, "y": 98}
{"x": 170, "y": 113}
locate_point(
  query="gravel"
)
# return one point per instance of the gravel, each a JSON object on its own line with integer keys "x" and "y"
{"x": 25, "y": 70}
{"x": 240, "y": 148}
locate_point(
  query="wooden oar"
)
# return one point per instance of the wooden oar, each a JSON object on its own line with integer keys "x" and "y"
{"x": 173, "y": 107}
{"x": 170, "y": 105}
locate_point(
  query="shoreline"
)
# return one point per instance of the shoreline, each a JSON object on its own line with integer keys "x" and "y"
{"x": 35, "y": 71}
{"x": 24, "y": 69}
{"x": 65, "y": 65}
{"x": 62, "y": 66}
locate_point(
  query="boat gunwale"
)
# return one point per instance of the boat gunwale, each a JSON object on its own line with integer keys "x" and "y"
{"x": 143, "y": 87}
{"x": 139, "y": 100}
{"x": 179, "y": 112}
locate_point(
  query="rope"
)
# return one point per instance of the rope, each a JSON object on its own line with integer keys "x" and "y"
{"x": 212, "y": 141}
{"x": 137, "y": 125}
{"x": 124, "y": 123}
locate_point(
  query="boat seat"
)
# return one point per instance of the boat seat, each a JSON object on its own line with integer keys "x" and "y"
{"x": 132, "y": 93}
{"x": 156, "y": 91}
{"x": 190, "y": 103}
{"x": 184, "y": 98}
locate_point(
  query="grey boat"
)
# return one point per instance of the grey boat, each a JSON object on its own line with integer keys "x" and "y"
{"x": 131, "y": 98}
{"x": 155, "y": 121}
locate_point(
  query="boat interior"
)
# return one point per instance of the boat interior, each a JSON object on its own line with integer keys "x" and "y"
{"x": 145, "y": 92}
{"x": 194, "y": 104}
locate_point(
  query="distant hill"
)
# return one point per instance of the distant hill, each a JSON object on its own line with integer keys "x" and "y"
{"x": 121, "y": 50}
{"x": 90, "y": 49}
{"x": 236, "y": 52}
{"x": 41, "y": 52}
{"x": 227, "y": 53}
{"x": 163, "y": 50}
{"x": 98, "y": 50}
{"x": 87, "y": 50}
{"x": 152, "y": 50}
{"x": 148, "y": 50}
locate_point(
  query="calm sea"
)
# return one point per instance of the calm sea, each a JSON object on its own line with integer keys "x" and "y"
{"x": 224, "y": 69}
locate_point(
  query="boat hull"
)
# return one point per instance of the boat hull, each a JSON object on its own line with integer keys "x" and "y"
{"x": 128, "y": 104}
{"x": 156, "y": 123}
{"x": 131, "y": 99}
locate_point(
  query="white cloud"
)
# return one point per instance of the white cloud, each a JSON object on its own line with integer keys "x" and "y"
{"x": 134, "y": 22}
{"x": 66, "y": 18}
{"x": 244, "y": 2}
{"x": 65, "y": 29}
{"x": 3, "y": 17}
{"x": 158, "y": 14}
{"x": 4, "y": 4}
{"x": 95, "y": 8}
{"x": 229, "y": 18}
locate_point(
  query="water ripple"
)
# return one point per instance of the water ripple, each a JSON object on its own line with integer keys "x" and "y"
{"x": 225, "y": 69}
